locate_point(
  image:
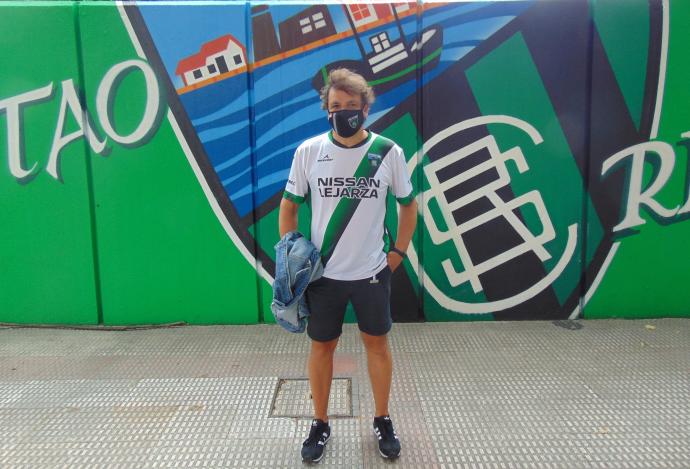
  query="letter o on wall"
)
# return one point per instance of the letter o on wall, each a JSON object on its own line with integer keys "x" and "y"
{"x": 104, "y": 100}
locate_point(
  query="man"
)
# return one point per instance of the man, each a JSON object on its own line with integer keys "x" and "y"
{"x": 346, "y": 175}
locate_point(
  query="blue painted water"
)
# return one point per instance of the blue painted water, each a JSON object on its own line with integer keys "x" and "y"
{"x": 253, "y": 161}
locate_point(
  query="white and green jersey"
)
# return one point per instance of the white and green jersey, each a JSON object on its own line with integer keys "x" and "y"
{"x": 347, "y": 190}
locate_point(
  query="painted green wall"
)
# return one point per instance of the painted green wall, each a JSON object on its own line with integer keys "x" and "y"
{"x": 46, "y": 258}
{"x": 128, "y": 234}
{"x": 648, "y": 274}
{"x": 138, "y": 213}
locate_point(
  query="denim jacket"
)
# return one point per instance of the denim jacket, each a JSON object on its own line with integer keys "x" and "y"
{"x": 298, "y": 263}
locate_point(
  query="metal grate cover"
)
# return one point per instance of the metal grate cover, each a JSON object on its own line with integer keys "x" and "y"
{"x": 293, "y": 398}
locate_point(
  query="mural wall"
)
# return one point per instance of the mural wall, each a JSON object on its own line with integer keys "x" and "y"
{"x": 146, "y": 147}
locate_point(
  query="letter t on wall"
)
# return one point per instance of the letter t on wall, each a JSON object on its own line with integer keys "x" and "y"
{"x": 13, "y": 107}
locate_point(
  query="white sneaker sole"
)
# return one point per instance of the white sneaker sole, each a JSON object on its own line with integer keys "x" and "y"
{"x": 390, "y": 457}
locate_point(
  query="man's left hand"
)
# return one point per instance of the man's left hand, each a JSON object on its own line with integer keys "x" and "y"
{"x": 394, "y": 260}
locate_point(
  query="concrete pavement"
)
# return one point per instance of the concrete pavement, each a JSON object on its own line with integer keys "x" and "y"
{"x": 611, "y": 394}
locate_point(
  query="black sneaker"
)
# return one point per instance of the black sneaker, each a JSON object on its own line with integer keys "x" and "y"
{"x": 389, "y": 444}
{"x": 312, "y": 448}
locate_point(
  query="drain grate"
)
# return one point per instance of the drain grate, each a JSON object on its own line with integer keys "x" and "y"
{"x": 568, "y": 324}
{"x": 293, "y": 398}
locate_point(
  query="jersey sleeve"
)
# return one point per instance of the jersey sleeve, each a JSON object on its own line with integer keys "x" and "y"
{"x": 297, "y": 184}
{"x": 401, "y": 185}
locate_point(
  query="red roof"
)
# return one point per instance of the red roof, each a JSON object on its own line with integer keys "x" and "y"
{"x": 212, "y": 47}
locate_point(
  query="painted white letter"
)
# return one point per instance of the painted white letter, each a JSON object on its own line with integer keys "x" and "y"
{"x": 71, "y": 100}
{"x": 104, "y": 101}
{"x": 13, "y": 107}
{"x": 686, "y": 207}
{"x": 636, "y": 197}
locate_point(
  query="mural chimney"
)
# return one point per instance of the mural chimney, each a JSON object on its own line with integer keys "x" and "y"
{"x": 264, "y": 33}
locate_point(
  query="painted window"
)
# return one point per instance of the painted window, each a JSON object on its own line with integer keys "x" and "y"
{"x": 380, "y": 42}
{"x": 319, "y": 21}
{"x": 360, "y": 12}
{"x": 211, "y": 68}
{"x": 305, "y": 23}
{"x": 310, "y": 23}
{"x": 400, "y": 7}
{"x": 197, "y": 74}
{"x": 238, "y": 59}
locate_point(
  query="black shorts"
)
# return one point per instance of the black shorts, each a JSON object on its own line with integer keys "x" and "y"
{"x": 327, "y": 299}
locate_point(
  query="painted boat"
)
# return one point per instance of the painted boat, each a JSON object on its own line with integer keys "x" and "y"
{"x": 400, "y": 62}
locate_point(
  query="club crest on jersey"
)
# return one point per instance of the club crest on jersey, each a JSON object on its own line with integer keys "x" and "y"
{"x": 374, "y": 159}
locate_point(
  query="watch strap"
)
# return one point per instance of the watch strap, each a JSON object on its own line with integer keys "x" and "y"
{"x": 398, "y": 251}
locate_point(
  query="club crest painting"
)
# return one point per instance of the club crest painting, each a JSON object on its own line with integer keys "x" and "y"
{"x": 547, "y": 143}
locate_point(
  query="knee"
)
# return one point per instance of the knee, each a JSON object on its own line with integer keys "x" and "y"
{"x": 381, "y": 352}
{"x": 323, "y": 349}
{"x": 376, "y": 345}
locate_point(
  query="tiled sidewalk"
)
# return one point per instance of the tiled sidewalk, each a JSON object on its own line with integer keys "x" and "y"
{"x": 614, "y": 393}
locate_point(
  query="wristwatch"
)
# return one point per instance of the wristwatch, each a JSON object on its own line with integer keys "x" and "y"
{"x": 398, "y": 251}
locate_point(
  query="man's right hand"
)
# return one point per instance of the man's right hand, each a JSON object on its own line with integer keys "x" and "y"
{"x": 394, "y": 260}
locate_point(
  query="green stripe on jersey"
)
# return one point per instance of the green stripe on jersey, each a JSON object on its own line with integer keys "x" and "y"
{"x": 408, "y": 199}
{"x": 346, "y": 207}
{"x": 295, "y": 198}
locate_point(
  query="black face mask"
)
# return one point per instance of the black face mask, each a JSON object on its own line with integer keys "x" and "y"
{"x": 347, "y": 122}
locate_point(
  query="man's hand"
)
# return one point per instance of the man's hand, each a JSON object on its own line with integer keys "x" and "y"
{"x": 394, "y": 260}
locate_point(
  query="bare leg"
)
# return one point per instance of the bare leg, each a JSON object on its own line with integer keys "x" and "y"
{"x": 320, "y": 366}
{"x": 380, "y": 364}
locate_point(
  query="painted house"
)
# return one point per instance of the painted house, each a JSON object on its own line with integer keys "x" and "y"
{"x": 307, "y": 26}
{"x": 218, "y": 56}
{"x": 365, "y": 13}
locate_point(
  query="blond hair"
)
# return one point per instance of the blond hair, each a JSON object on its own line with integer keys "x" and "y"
{"x": 348, "y": 81}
